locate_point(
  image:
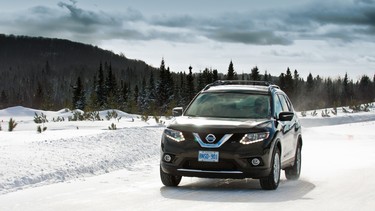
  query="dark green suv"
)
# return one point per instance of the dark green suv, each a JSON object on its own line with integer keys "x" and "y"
{"x": 233, "y": 129}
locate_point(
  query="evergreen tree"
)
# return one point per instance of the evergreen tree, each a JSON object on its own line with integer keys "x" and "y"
{"x": 79, "y": 100}
{"x": 151, "y": 88}
{"x": 3, "y": 100}
{"x": 282, "y": 81}
{"x": 181, "y": 91}
{"x": 92, "y": 104}
{"x": 352, "y": 96}
{"x": 201, "y": 83}
{"x": 110, "y": 82}
{"x": 295, "y": 76}
{"x": 215, "y": 75}
{"x": 151, "y": 94}
{"x": 136, "y": 98}
{"x": 124, "y": 97}
{"x": 270, "y": 79}
{"x": 365, "y": 89}
{"x": 345, "y": 91}
{"x": 164, "y": 89}
{"x": 255, "y": 76}
{"x": 331, "y": 94}
{"x": 265, "y": 77}
{"x": 170, "y": 86}
{"x": 310, "y": 84}
{"x": 296, "y": 81}
{"x": 208, "y": 76}
{"x": 190, "y": 85}
{"x": 231, "y": 73}
{"x": 204, "y": 78}
{"x": 48, "y": 103}
{"x": 143, "y": 98}
{"x": 161, "y": 86}
{"x": 111, "y": 89}
{"x": 38, "y": 97}
{"x": 289, "y": 83}
{"x": 297, "y": 89}
{"x": 319, "y": 90}
{"x": 308, "y": 95}
{"x": 100, "y": 89}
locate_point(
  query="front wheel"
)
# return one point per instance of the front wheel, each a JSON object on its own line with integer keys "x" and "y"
{"x": 168, "y": 179}
{"x": 292, "y": 173}
{"x": 271, "y": 182}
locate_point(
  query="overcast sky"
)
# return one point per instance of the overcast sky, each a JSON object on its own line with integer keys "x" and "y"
{"x": 324, "y": 37}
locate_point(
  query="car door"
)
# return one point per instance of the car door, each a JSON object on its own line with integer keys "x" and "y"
{"x": 287, "y": 129}
{"x": 294, "y": 124}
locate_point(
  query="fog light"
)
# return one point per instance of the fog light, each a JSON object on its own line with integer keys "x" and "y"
{"x": 167, "y": 158}
{"x": 255, "y": 162}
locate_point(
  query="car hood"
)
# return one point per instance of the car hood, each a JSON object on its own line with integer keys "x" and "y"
{"x": 218, "y": 125}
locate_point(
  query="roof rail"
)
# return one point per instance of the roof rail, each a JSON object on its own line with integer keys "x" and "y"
{"x": 240, "y": 82}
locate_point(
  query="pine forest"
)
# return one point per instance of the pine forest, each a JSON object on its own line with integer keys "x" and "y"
{"x": 52, "y": 74}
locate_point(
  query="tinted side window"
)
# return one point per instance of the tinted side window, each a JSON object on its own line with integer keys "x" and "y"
{"x": 278, "y": 106}
{"x": 290, "y": 106}
{"x": 285, "y": 105}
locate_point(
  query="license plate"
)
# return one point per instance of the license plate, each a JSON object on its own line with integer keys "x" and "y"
{"x": 208, "y": 156}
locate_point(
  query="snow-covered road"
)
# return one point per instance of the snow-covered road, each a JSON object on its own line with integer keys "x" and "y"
{"x": 337, "y": 174}
{"x": 338, "y": 168}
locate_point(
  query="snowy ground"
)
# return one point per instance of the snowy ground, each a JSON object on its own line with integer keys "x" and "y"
{"x": 93, "y": 168}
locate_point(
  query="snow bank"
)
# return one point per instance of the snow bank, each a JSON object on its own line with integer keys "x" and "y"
{"x": 337, "y": 120}
{"x": 344, "y": 115}
{"x": 36, "y": 163}
{"x": 18, "y": 111}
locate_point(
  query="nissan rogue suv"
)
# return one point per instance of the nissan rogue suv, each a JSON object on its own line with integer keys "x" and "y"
{"x": 233, "y": 129}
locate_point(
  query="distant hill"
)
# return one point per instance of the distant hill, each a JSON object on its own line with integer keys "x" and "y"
{"x": 26, "y": 62}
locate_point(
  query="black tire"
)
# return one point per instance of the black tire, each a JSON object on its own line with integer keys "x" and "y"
{"x": 271, "y": 182}
{"x": 292, "y": 173}
{"x": 168, "y": 179}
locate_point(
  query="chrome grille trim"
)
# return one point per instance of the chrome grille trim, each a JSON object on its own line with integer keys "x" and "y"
{"x": 224, "y": 139}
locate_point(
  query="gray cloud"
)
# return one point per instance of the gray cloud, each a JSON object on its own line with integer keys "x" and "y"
{"x": 251, "y": 37}
{"x": 342, "y": 21}
{"x": 365, "y": 2}
{"x": 290, "y": 54}
{"x": 71, "y": 22}
{"x": 346, "y": 15}
{"x": 175, "y": 21}
{"x": 230, "y": 27}
{"x": 345, "y": 22}
{"x": 87, "y": 17}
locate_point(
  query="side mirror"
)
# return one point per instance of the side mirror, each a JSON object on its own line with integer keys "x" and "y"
{"x": 286, "y": 116}
{"x": 177, "y": 111}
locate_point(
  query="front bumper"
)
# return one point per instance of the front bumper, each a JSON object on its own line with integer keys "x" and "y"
{"x": 234, "y": 160}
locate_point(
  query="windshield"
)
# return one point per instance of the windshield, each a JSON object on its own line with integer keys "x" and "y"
{"x": 230, "y": 105}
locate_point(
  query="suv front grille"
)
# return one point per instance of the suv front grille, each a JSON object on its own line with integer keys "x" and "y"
{"x": 236, "y": 137}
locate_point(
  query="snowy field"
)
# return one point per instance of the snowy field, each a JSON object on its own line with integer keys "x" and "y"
{"x": 85, "y": 166}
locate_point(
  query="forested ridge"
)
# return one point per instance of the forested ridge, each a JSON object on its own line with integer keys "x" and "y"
{"x": 35, "y": 66}
{"x": 46, "y": 73}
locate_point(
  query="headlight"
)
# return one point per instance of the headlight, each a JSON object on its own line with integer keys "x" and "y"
{"x": 251, "y": 138}
{"x": 174, "y": 135}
